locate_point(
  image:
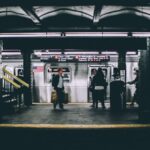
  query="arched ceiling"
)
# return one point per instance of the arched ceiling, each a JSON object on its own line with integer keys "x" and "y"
{"x": 92, "y": 17}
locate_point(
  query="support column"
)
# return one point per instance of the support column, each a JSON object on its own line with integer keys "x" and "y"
{"x": 122, "y": 68}
{"x": 1, "y": 73}
{"x": 144, "y": 84}
{"x": 27, "y": 76}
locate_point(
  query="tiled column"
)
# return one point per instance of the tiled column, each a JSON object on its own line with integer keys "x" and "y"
{"x": 1, "y": 73}
{"x": 144, "y": 84}
{"x": 27, "y": 76}
{"x": 122, "y": 68}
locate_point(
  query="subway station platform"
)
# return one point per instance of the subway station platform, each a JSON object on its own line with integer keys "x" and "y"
{"x": 76, "y": 113}
{"x": 77, "y": 127}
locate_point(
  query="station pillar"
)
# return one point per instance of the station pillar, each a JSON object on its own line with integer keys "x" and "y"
{"x": 1, "y": 72}
{"x": 27, "y": 76}
{"x": 122, "y": 68}
{"x": 144, "y": 84}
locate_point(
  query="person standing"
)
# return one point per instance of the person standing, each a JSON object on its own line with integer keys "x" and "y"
{"x": 93, "y": 73}
{"x": 135, "y": 81}
{"x": 58, "y": 85}
{"x": 99, "y": 85}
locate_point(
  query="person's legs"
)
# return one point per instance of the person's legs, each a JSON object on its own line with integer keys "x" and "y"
{"x": 134, "y": 98}
{"x": 54, "y": 105}
{"x": 60, "y": 98}
{"x": 96, "y": 103}
{"x": 93, "y": 99}
{"x": 103, "y": 104}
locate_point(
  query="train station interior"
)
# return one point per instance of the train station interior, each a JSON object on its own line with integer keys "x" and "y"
{"x": 39, "y": 38}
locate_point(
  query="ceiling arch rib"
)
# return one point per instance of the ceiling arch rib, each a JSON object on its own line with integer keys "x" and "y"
{"x": 80, "y": 11}
{"x": 109, "y": 11}
{"x": 13, "y": 17}
{"x": 12, "y": 11}
{"x": 128, "y": 17}
{"x": 30, "y": 12}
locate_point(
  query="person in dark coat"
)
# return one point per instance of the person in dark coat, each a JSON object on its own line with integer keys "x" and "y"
{"x": 93, "y": 73}
{"x": 99, "y": 85}
{"x": 117, "y": 88}
{"x": 58, "y": 85}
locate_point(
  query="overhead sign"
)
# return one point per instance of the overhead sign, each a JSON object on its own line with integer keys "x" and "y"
{"x": 75, "y": 58}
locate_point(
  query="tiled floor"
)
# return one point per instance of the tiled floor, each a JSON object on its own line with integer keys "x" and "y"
{"x": 73, "y": 114}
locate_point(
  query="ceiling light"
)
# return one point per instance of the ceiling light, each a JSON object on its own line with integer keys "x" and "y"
{"x": 96, "y": 34}
{"x": 109, "y": 53}
{"x": 81, "y": 53}
{"x": 141, "y": 34}
{"x": 36, "y": 34}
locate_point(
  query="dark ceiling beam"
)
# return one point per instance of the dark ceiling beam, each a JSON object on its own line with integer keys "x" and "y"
{"x": 30, "y": 12}
{"x": 71, "y": 2}
{"x": 73, "y": 29}
{"x": 103, "y": 43}
{"x": 97, "y": 12}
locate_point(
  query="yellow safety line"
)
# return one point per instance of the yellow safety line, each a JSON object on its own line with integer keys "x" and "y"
{"x": 16, "y": 78}
{"x": 73, "y": 126}
{"x": 12, "y": 82}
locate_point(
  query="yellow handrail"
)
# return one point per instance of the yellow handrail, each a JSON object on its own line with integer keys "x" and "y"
{"x": 16, "y": 78}
{"x": 17, "y": 86}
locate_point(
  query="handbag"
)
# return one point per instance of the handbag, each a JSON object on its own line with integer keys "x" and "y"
{"x": 99, "y": 88}
{"x": 54, "y": 96}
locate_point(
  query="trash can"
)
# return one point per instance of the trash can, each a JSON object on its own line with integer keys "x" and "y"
{"x": 116, "y": 95}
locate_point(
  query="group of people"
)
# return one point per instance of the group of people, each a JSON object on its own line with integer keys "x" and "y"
{"x": 98, "y": 87}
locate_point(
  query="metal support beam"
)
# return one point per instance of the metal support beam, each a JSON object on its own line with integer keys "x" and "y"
{"x": 110, "y": 43}
{"x": 27, "y": 76}
{"x": 30, "y": 12}
{"x": 72, "y": 2}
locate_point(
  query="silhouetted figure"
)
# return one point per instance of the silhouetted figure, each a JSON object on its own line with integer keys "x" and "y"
{"x": 93, "y": 73}
{"x": 99, "y": 84}
{"x": 117, "y": 88}
{"x": 135, "y": 81}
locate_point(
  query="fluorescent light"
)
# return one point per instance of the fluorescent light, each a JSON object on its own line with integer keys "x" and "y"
{"x": 141, "y": 34}
{"x": 68, "y": 34}
{"x": 83, "y": 34}
{"x": 115, "y": 34}
{"x": 96, "y": 34}
{"x": 36, "y": 34}
{"x": 131, "y": 53}
{"x": 53, "y": 34}
{"x": 109, "y": 53}
{"x": 81, "y": 53}
{"x": 47, "y": 53}
{"x": 11, "y": 53}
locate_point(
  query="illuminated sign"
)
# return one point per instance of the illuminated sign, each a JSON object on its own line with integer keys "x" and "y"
{"x": 75, "y": 58}
{"x": 56, "y": 69}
